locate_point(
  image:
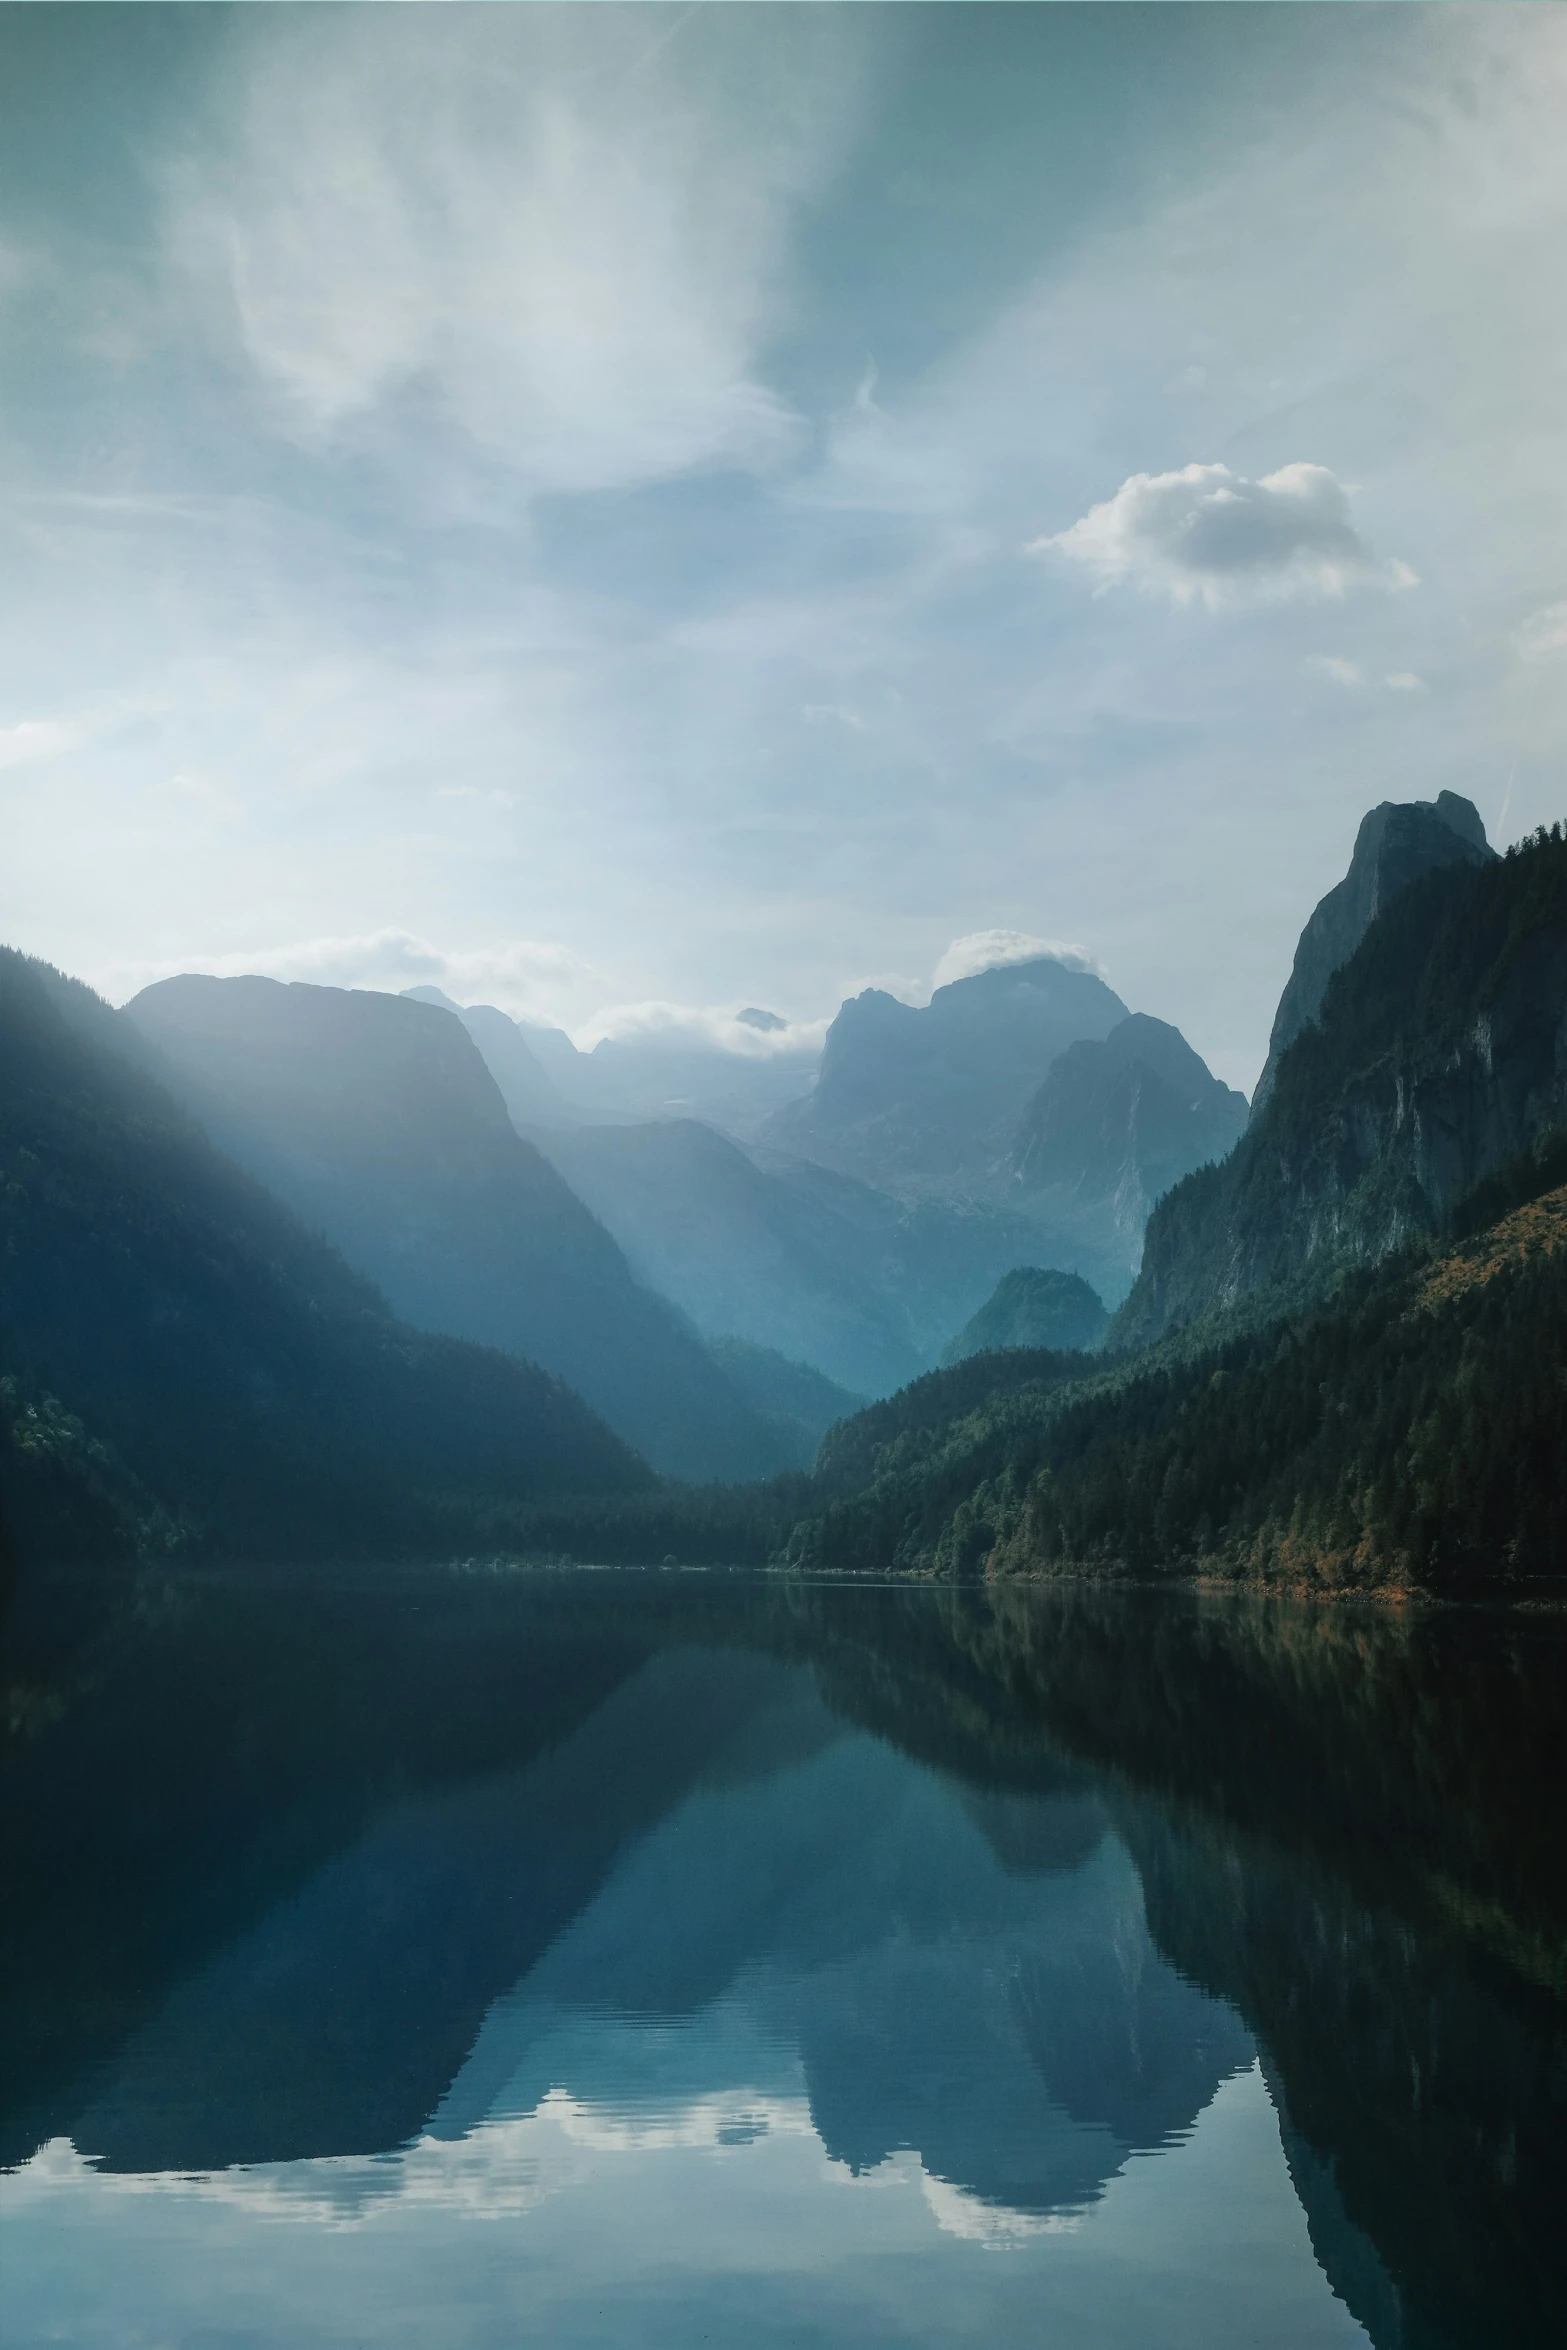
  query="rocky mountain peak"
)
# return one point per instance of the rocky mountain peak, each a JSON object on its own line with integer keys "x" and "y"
{"x": 1397, "y": 842}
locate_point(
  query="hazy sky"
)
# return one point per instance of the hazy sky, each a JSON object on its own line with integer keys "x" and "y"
{"x": 604, "y": 507}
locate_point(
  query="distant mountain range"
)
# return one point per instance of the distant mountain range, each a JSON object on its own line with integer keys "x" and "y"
{"x": 929, "y": 1100}
{"x": 248, "y": 1227}
{"x": 790, "y": 1255}
{"x": 377, "y": 1121}
{"x": 1344, "y": 1360}
{"x": 546, "y": 1082}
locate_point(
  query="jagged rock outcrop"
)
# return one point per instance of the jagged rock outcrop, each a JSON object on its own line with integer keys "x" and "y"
{"x": 1117, "y": 1121}
{"x": 1033, "y": 1306}
{"x": 1440, "y": 1055}
{"x": 1397, "y": 842}
{"x": 928, "y": 1100}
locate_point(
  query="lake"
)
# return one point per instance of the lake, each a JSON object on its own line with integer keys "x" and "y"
{"x": 587, "y": 1958}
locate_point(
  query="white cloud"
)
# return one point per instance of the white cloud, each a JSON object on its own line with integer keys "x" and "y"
{"x": 1206, "y": 535}
{"x": 34, "y": 739}
{"x": 1404, "y": 681}
{"x": 720, "y": 1028}
{"x": 569, "y": 233}
{"x": 530, "y": 978}
{"x": 1544, "y": 633}
{"x": 988, "y": 950}
{"x": 1332, "y": 665}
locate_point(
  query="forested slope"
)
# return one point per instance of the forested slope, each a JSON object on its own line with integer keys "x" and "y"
{"x": 186, "y": 1367}
{"x": 1407, "y": 1431}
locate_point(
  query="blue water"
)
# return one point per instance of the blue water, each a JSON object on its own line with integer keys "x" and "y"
{"x": 710, "y": 2014}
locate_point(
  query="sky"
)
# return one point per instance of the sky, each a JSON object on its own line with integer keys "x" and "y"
{"x": 634, "y": 512}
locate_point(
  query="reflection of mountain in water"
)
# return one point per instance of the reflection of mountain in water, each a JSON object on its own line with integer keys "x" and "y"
{"x": 1005, "y": 1878}
{"x": 1007, "y": 2018}
{"x": 1015, "y": 2028}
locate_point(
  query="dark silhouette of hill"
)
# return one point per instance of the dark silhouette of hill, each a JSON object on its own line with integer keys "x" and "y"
{"x": 376, "y": 1119}
{"x": 185, "y": 1365}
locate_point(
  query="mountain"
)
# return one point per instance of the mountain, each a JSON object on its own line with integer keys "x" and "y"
{"x": 826, "y": 1270}
{"x": 1438, "y": 1055}
{"x": 1397, "y": 842}
{"x": 1116, "y": 1122}
{"x": 1404, "y": 1432}
{"x": 376, "y": 1119}
{"x": 1033, "y": 1307}
{"x": 795, "y": 1400}
{"x": 927, "y": 1101}
{"x": 531, "y": 1095}
{"x": 186, "y": 1367}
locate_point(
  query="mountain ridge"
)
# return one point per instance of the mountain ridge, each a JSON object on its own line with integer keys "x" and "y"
{"x": 377, "y": 1119}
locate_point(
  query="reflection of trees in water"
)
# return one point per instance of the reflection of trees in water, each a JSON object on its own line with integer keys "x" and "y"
{"x": 1350, "y": 1826}
{"x": 1347, "y": 1826}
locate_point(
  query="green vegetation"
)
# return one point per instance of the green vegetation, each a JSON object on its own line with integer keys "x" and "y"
{"x": 1408, "y": 1431}
{"x": 186, "y": 1368}
{"x": 800, "y": 1404}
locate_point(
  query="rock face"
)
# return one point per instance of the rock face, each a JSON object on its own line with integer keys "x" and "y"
{"x": 928, "y": 1101}
{"x": 1396, "y": 843}
{"x": 826, "y": 1270}
{"x": 1115, "y": 1124}
{"x": 1440, "y": 1055}
{"x": 1033, "y": 1307}
{"x": 376, "y": 1119}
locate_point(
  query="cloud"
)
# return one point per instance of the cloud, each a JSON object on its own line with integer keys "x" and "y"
{"x": 35, "y": 739}
{"x": 1404, "y": 681}
{"x": 567, "y": 229}
{"x": 1544, "y": 634}
{"x": 1332, "y": 665}
{"x": 1207, "y": 535}
{"x": 722, "y": 1028}
{"x": 531, "y": 978}
{"x": 989, "y": 950}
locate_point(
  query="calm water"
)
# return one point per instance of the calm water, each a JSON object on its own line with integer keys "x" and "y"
{"x": 655, "y": 1959}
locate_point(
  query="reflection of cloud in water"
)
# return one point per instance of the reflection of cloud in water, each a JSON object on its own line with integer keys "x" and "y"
{"x": 505, "y": 2169}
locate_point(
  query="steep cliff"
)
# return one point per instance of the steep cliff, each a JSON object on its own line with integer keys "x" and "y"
{"x": 1117, "y": 1121}
{"x": 1440, "y": 1054}
{"x": 1397, "y": 843}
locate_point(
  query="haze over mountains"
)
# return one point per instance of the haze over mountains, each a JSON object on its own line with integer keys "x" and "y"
{"x": 723, "y": 1307}
{"x": 1022, "y": 1117}
{"x": 377, "y": 1120}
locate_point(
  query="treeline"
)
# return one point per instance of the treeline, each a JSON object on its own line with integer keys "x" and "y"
{"x": 1410, "y": 1431}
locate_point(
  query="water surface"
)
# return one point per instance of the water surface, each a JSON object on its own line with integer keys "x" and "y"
{"x": 592, "y": 1959}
